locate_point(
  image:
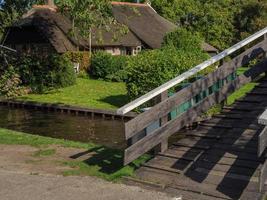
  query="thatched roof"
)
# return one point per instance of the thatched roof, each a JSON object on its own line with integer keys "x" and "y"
{"x": 144, "y": 25}
{"x": 143, "y": 21}
{"x": 114, "y": 35}
{"x": 52, "y": 26}
{"x": 208, "y": 48}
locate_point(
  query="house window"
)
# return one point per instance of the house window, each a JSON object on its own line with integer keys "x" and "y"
{"x": 136, "y": 50}
{"x": 129, "y": 51}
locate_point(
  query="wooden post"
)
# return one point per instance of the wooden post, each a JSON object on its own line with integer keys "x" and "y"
{"x": 164, "y": 143}
{"x": 265, "y": 54}
{"x": 163, "y": 146}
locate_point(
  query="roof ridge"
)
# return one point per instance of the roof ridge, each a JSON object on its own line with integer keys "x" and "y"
{"x": 128, "y": 3}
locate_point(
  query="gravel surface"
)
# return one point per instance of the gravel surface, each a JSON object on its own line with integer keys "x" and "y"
{"x": 19, "y": 186}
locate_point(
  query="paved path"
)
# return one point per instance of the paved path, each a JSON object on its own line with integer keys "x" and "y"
{"x": 19, "y": 186}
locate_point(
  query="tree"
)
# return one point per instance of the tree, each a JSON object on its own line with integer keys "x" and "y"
{"x": 86, "y": 14}
{"x": 11, "y": 10}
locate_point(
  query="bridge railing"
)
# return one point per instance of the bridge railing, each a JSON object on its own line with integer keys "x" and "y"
{"x": 154, "y": 126}
{"x": 262, "y": 145}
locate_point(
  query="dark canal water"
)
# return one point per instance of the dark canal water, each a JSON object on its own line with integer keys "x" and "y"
{"x": 77, "y": 128}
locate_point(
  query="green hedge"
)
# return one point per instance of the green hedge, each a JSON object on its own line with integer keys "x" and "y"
{"x": 55, "y": 71}
{"x": 151, "y": 69}
{"x": 107, "y": 67}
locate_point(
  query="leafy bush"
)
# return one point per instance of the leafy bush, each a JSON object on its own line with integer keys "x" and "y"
{"x": 10, "y": 83}
{"x": 183, "y": 40}
{"x": 81, "y": 57}
{"x": 108, "y": 67}
{"x": 44, "y": 74}
{"x": 151, "y": 69}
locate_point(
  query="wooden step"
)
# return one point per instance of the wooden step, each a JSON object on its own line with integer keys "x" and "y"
{"x": 234, "y": 155}
{"x": 230, "y": 161}
{"x": 228, "y": 169}
{"x": 215, "y": 125}
{"x": 235, "y": 176}
{"x": 163, "y": 162}
{"x": 240, "y": 142}
{"x": 235, "y": 148}
{"x": 195, "y": 143}
{"x": 185, "y": 155}
{"x": 208, "y": 184}
{"x": 162, "y": 168}
{"x": 203, "y": 135}
{"x": 228, "y": 116}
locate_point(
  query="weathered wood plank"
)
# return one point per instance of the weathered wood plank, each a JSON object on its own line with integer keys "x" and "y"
{"x": 143, "y": 120}
{"x": 263, "y": 176}
{"x": 262, "y": 142}
{"x": 263, "y": 119}
{"x": 150, "y": 141}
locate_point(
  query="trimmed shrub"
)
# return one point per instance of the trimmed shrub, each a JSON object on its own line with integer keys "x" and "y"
{"x": 81, "y": 57}
{"x": 108, "y": 67}
{"x": 151, "y": 69}
{"x": 10, "y": 83}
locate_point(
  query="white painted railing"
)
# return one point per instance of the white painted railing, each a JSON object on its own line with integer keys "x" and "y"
{"x": 7, "y": 48}
{"x": 150, "y": 95}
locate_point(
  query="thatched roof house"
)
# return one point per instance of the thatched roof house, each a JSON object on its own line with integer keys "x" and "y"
{"x": 42, "y": 30}
{"x": 146, "y": 30}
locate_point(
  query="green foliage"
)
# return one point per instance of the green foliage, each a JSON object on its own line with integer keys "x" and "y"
{"x": 86, "y": 14}
{"x": 47, "y": 73}
{"x": 11, "y": 10}
{"x": 10, "y": 83}
{"x": 81, "y": 57}
{"x": 183, "y": 39}
{"x": 108, "y": 67}
{"x": 86, "y": 92}
{"x": 221, "y": 23}
{"x": 151, "y": 69}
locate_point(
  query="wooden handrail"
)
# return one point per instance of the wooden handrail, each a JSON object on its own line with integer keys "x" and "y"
{"x": 159, "y": 134}
{"x": 150, "y": 95}
{"x": 144, "y": 119}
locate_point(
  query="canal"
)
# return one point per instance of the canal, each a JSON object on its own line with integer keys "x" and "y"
{"x": 64, "y": 126}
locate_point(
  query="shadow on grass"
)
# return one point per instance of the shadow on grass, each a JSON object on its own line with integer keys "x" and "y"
{"x": 117, "y": 100}
{"x": 108, "y": 160}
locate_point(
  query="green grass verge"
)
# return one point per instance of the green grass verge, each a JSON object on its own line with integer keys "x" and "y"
{"x": 105, "y": 163}
{"x": 86, "y": 93}
{"x": 44, "y": 152}
{"x": 241, "y": 93}
{"x": 243, "y": 90}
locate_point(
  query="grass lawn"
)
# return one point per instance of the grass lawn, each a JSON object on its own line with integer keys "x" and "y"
{"x": 243, "y": 90}
{"x": 105, "y": 163}
{"x": 86, "y": 93}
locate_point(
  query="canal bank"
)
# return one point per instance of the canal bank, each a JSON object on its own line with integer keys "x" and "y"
{"x": 71, "y": 158}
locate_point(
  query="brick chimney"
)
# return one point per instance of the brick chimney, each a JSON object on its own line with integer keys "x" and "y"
{"x": 50, "y": 3}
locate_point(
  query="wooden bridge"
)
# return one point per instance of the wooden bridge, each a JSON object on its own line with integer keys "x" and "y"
{"x": 223, "y": 157}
